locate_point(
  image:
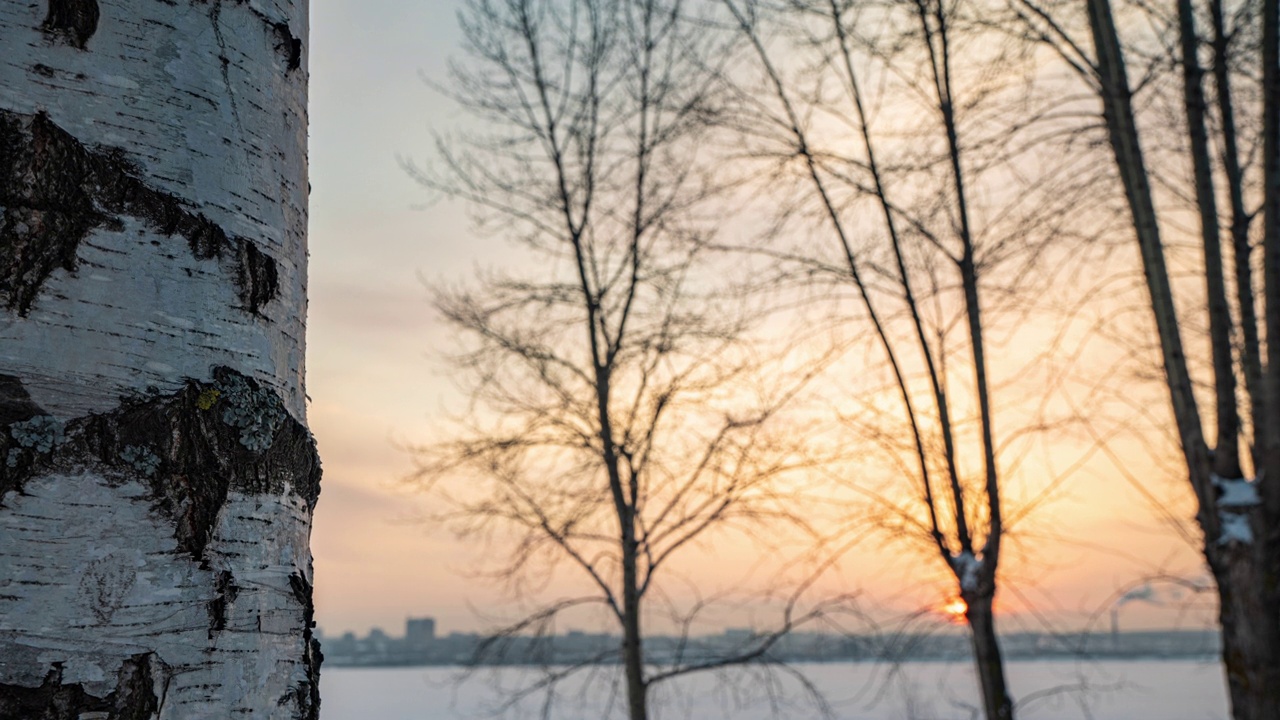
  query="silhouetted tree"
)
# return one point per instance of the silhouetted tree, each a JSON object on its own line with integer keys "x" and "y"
{"x": 620, "y": 413}
{"x": 1238, "y": 515}
{"x": 959, "y": 106}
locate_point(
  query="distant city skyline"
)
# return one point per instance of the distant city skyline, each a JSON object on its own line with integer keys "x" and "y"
{"x": 1145, "y": 607}
{"x": 421, "y": 645}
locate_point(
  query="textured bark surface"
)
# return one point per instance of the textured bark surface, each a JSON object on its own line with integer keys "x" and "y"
{"x": 198, "y": 125}
{"x": 1249, "y": 608}
{"x": 157, "y": 479}
{"x": 56, "y": 192}
{"x": 190, "y": 448}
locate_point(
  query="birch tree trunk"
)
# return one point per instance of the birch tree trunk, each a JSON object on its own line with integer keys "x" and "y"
{"x": 157, "y": 479}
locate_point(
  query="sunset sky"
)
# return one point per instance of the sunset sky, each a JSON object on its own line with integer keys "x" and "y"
{"x": 376, "y": 383}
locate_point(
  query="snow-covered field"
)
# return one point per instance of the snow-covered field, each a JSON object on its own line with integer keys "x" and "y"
{"x": 1048, "y": 690}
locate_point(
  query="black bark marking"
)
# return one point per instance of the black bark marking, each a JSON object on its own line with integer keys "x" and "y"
{"x": 16, "y": 404}
{"x": 51, "y": 700}
{"x": 215, "y": 17}
{"x": 305, "y": 696}
{"x": 201, "y": 455}
{"x": 54, "y": 191}
{"x": 135, "y": 694}
{"x": 46, "y": 213}
{"x": 71, "y": 21}
{"x": 225, "y": 590}
{"x": 289, "y": 46}
{"x": 259, "y": 279}
{"x": 133, "y": 699}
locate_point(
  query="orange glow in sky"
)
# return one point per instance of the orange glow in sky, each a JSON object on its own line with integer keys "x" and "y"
{"x": 378, "y": 387}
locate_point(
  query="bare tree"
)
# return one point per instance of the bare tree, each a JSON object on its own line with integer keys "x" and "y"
{"x": 620, "y": 414}
{"x": 948, "y": 87}
{"x": 1239, "y": 516}
{"x": 157, "y": 478}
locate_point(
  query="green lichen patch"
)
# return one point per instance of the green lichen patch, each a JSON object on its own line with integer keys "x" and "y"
{"x": 25, "y": 443}
{"x": 32, "y": 438}
{"x": 141, "y": 459}
{"x": 39, "y": 434}
{"x": 208, "y": 398}
{"x": 54, "y": 191}
{"x": 256, "y": 411}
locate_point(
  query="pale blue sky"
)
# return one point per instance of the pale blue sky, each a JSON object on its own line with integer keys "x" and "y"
{"x": 370, "y": 328}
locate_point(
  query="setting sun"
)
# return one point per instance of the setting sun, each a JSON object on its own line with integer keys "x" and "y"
{"x": 955, "y": 609}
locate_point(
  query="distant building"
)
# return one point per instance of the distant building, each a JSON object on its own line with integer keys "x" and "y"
{"x": 419, "y": 633}
{"x": 377, "y": 643}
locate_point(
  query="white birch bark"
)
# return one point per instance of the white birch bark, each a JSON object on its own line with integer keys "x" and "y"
{"x": 156, "y": 476}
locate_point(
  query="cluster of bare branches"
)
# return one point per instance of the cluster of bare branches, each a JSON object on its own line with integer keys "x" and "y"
{"x": 621, "y": 411}
{"x": 1213, "y": 137}
{"x": 944, "y": 168}
{"x": 922, "y": 115}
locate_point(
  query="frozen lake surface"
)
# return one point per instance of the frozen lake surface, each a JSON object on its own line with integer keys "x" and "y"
{"x": 1048, "y": 690}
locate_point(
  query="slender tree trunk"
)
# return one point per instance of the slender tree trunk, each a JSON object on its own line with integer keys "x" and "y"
{"x": 632, "y": 650}
{"x": 1123, "y": 133}
{"x": 982, "y": 622}
{"x": 1226, "y": 457}
{"x": 624, "y": 503}
{"x": 1270, "y": 442}
{"x": 986, "y": 656}
{"x": 157, "y": 479}
{"x": 1248, "y": 573}
{"x": 1250, "y": 350}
